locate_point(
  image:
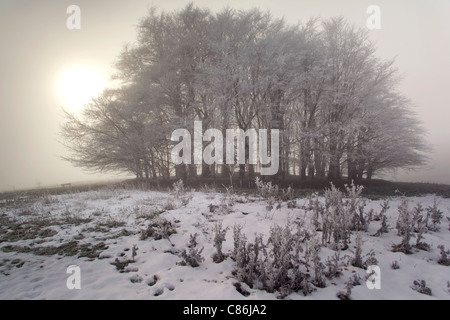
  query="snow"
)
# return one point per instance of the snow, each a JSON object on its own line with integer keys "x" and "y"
{"x": 156, "y": 272}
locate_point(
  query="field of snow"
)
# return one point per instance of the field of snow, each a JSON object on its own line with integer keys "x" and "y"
{"x": 127, "y": 244}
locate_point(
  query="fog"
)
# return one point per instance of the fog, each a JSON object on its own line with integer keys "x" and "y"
{"x": 37, "y": 46}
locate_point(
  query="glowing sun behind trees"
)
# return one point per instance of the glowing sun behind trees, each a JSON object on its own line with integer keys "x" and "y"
{"x": 78, "y": 84}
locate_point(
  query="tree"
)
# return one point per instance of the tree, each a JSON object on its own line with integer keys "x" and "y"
{"x": 320, "y": 84}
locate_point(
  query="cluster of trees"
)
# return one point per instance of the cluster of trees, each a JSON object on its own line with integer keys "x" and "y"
{"x": 320, "y": 83}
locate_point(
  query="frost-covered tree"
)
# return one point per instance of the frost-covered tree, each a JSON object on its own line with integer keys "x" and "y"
{"x": 319, "y": 83}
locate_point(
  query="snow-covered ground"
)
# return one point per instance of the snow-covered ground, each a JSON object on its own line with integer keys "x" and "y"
{"x": 97, "y": 231}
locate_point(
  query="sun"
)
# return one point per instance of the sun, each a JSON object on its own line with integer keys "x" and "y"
{"x": 78, "y": 84}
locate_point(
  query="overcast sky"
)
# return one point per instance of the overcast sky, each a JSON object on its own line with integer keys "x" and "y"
{"x": 37, "y": 46}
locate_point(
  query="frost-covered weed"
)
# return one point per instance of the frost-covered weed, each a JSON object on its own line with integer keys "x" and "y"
{"x": 219, "y": 238}
{"x": 269, "y": 192}
{"x": 358, "y": 261}
{"x": 384, "y": 208}
{"x": 419, "y": 224}
{"x": 370, "y": 260}
{"x": 227, "y": 201}
{"x": 384, "y": 228}
{"x": 335, "y": 220}
{"x": 274, "y": 196}
{"x": 266, "y": 190}
{"x": 287, "y": 194}
{"x": 274, "y": 266}
{"x": 146, "y": 213}
{"x": 159, "y": 228}
{"x": 181, "y": 197}
{"x": 346, "y": 295}
{"x": 405, "y": 225}
{"x": 134, "y": 251}
{"x": 239, "y": 240}
{"x": 339, "y": 215}
{"x": 317, "y": 209}
{"x": 436, "y": 216}
{"x": 355, "y": 280}
{"x": 208, "y": 189}
{"x": 354, "y": 205}
{"x": 319, "y": 279}
{"x": 225, "y": 205}
{"x": 419, "y": 244}
{"x": 334, "y": 266}
{"x": 444, "y": 259}
{"x": 421, "y": 287}
{"x": 47, "y": 199}
{"x": 193, "y": 257}
{"x": 394, "y": 265}
{"x": 178, "y": 188}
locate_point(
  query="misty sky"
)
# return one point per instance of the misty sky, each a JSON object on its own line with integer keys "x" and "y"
{"x": 36, "y": 48}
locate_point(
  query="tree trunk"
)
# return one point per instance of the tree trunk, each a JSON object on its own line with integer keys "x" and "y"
{"x": 334, "y": 170}
{"x": 181, "y": 172}
{"x": 192, "y": 171}
{"x": 303, "y": 171}
{"x": 225, "y": 171}
{"x": 206, "y": 171}
{"x": 251, "y": 172}
{"x": 311, "y": 171}
{"x": 352, "y": 171}
{"x": 369, "y": 173}
{"x": 242, "y": 171}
